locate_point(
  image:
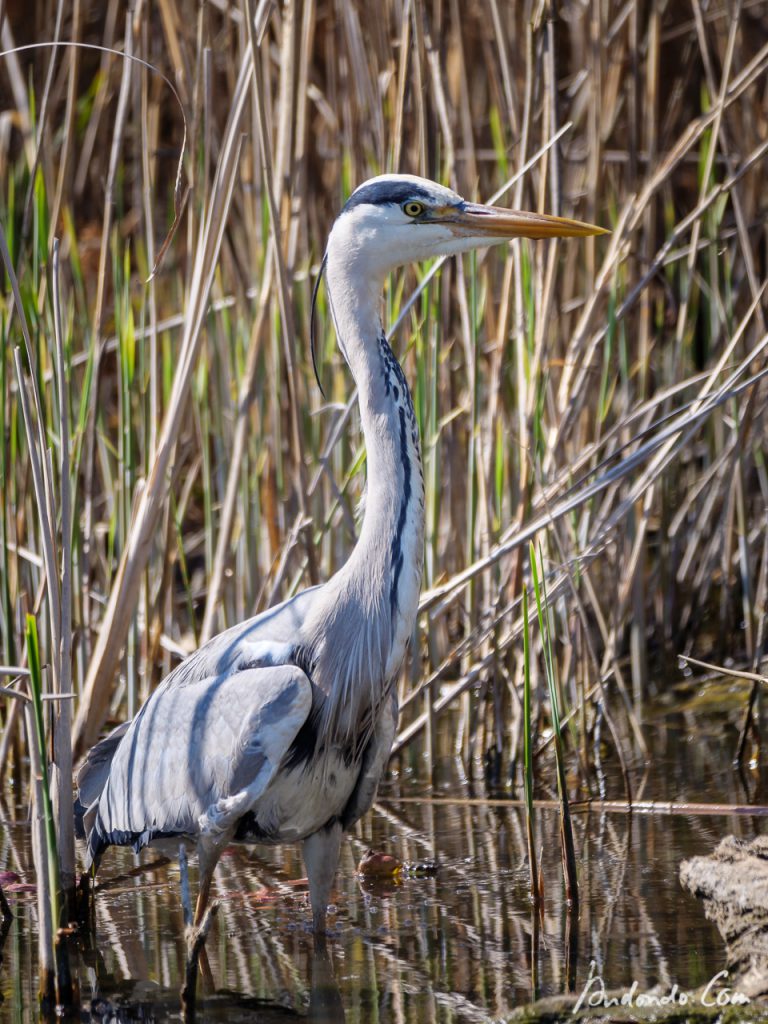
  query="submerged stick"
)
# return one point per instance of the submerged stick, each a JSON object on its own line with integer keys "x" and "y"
{"x": 186, "y": 901}
{"x": 723, "y": 670}
{"x": 660, "y": 807}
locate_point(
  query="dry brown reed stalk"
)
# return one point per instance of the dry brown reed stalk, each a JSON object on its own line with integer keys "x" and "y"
{"x": 114, "y": 627}
{"x": 628, "y": 370}
{"x": 98, "y": 324}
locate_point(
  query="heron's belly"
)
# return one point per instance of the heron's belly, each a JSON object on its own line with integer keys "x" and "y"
{"x": 300, "y": 802}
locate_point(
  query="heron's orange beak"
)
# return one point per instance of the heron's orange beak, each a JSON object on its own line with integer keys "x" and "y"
{"x": 472, "y": 219}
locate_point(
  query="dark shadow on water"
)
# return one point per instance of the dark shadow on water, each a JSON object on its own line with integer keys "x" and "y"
{"x": 126, "y": 1001}
{"x": 135, "y": 1005}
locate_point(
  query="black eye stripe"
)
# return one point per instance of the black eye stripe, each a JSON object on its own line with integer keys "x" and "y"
{"x": 379, "y": 193}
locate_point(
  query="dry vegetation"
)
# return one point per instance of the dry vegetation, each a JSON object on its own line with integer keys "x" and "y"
{"x": 605, "y": 397}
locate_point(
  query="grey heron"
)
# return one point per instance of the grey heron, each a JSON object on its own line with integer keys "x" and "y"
{"x": 279, "y": 729}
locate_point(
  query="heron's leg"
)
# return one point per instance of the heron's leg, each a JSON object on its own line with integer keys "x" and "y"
{"x": 208, "y": 854}
{"x": 202, "y": 898}
{"x": 321, "y": 858}
{"x": 208, "y": 857}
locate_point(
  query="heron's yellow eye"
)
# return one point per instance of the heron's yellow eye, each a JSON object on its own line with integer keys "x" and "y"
{"x": 413, "y": 209}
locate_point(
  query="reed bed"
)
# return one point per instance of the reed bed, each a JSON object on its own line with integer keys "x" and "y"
{"x": 606, "y": 398}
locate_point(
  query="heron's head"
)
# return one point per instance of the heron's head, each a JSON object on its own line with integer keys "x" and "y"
{"x": 398, "y": 218}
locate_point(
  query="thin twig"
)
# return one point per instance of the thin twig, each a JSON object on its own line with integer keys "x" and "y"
{"x": 724, "y": 670}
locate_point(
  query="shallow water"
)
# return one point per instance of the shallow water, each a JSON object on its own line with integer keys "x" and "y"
{"x": 456, "y": 947}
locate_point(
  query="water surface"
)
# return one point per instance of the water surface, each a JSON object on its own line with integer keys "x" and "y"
{"x": 457, "y": 947}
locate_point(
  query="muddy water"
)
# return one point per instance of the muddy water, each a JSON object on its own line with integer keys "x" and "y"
{"x": 458, "y": 947}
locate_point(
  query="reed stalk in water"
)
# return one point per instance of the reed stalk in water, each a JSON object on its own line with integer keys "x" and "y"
{"x": 566, "y": 829}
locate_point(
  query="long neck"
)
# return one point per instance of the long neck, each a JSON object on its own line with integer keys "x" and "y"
{"x": 373, "y": 599}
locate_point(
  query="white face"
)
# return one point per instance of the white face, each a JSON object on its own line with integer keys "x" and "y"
{"x": 386, "y": 234}
{"x": 397, "y": 218}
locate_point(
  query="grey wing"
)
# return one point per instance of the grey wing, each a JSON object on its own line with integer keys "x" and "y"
{"x": 92, "y": 776}
{"x": 267, "y": 639}
{"x": 374, "y": 764}
{"x": 198, "y": 755}
{"x": 93, "y": 772}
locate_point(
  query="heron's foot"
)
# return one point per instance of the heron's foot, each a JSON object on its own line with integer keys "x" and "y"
{"x": 195, "y": 935}
{"x": 196, "y": 929}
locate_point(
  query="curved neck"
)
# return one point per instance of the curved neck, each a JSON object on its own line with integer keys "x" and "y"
{"x": 375, "y": 594}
